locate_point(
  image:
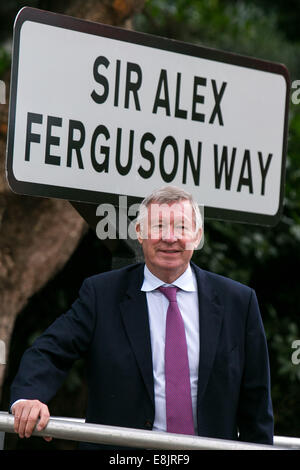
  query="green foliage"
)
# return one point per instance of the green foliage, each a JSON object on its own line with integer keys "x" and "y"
{"x": 4, "y": 60}
{"x": 240, "y": 27}
{"x": 267, "y": 259}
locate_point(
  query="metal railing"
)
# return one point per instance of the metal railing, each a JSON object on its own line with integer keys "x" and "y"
{"x": 78, "y": 430}
{"x": 287, "y": 442}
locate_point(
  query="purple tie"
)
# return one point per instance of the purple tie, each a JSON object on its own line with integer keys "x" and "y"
{"x": 177, "y": 373}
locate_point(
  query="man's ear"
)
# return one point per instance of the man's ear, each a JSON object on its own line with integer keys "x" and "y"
{"x": 192, "y": 245}
{"x": 198, "y": 237}
{"x": 139, "y": 233}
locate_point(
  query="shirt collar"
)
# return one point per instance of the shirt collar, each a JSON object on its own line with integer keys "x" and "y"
{"x": 187, "y": 281}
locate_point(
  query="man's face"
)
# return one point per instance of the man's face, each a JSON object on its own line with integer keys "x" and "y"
{"x": 168, "y": 238}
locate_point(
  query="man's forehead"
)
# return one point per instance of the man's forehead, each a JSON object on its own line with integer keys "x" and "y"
{"x": 182, "y": 208}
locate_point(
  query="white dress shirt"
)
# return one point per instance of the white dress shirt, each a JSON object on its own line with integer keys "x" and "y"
{"x": 187, "y": 299}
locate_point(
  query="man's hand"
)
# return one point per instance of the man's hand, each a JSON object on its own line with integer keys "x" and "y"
{"x": 27, "y": 413}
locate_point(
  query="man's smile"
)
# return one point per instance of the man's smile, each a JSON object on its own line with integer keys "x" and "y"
{"x": 164, "y": 250}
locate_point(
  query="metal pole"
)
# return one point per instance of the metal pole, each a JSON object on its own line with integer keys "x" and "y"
{"x": 96, "y": 433}
{"x": 285, "y": 441}
{"x": 279, "y": 441}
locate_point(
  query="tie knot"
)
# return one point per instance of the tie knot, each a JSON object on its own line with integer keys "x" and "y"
{"x": 169, "y": 292}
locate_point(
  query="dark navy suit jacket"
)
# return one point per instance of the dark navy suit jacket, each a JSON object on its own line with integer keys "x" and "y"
{"x": 108, "y": 323}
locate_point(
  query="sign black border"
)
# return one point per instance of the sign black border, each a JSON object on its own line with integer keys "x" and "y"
{"x": 157, "y": 42}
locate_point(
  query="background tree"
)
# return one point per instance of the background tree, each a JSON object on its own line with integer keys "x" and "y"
{"x": 38, "y": 235}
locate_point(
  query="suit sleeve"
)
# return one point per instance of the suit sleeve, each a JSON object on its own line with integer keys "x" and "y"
{"x": 255, "y": 414}
{"x": 45, "y": 364}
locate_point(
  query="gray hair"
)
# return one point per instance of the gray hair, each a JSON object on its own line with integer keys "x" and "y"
{"x": 166, "y": 195}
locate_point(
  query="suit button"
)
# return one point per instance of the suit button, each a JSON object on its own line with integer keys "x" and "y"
{"x": 148, "y": 424}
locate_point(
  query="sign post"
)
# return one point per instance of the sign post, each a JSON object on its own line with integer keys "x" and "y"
{"x": 98, "y": 111}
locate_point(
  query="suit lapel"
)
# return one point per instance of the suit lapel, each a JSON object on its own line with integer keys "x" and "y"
{"x": 210, "y": 317}
{"x": 135, "y": 319}
{"x": 134, "y": 313}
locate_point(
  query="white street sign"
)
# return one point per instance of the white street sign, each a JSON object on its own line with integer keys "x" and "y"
{"x": 97, "y": 110}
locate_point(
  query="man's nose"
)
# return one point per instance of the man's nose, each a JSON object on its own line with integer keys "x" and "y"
{"x": 169, "y": 235}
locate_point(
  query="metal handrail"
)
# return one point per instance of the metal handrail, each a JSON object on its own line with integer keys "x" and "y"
{"x": 286, "y": 441}
{"x": 77, "y": 430}
{"x": 278, "y": 441}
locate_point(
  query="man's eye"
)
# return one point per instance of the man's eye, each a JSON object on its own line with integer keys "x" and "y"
{"x": 183, "y": 229}
{"x": 157, "y": 227}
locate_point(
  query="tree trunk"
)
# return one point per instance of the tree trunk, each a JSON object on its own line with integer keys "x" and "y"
{"x": 38, "y": 235}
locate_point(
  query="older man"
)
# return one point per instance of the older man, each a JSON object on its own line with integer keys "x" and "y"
{"x": 169, "y": 346}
